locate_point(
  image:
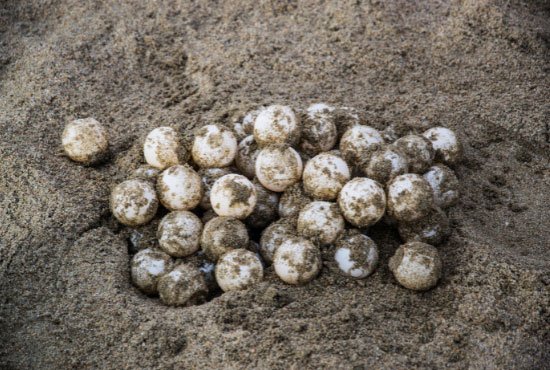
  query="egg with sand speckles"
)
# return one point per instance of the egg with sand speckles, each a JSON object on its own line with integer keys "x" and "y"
{"x": 416, "y": 266}
{"x": 448, "y": 148}
{"x": 162, "y": 148}
{"x": 444, "y": 184}
{"x": 325, "y": 175}
{"x": 147, "y": 267}
{"x": 418, "y": 150}
{"x": 238, "y": 269}
{"x": 222, "y": 234}
{"x": 410, "y": 197}
{"x": 233, "y": 196}
{"x": 276, "y": 125}
{"x": 179, "y": 233}
{"x": 214, "y": 146}
{"x": 278, "y": 167}
{"x": 356, "y": 254}
{"x": 184, "y": 285}
{"x": 85, "y": 141}
{"x": 297, "y": 261}
{"x": 362, "y": 201}
{"x": 134, "y": 202}
{"x": 321, "y": 222}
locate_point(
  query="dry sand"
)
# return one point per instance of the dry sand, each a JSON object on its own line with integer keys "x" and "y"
{"x": 479, "y": 67}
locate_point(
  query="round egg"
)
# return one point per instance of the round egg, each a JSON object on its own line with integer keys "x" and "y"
{"x": 278, "y": 167}
{"x": 345, "y": 118}
{"x": 356, "y": 254}
{"x": 432, "y": 229}
{"x": 245, "y": 127}
{"x": 238, "y": 269}
{"x": 418, "y": 150}
{"x": 222, "y": 234}
{"x": 359, "y": 142}
{"x": 162, "y": 148}
{"x": 318, "y": 130}
{"x": 85, "y": 141}
{"x": 410, "y": 198}
{"x": 448, "y": 148}
{"x": 266, "y": 209}
{"x": 246, "y": 157}
{"x": 444, "y": 184}
{"x": 183, "y": 286}
{"x": 179, "y": 233}
{"x": 233, "y": 196}
{"x": 297, "y": 261}
{"x": 208, "y": 178}
{"x": 134, "y": 202}
{"x": 274, "y": 235}
{"x": 146, "y": 172}
{"x": 362, "y": 202}
{"x": 147, "y": 266}
{"x": 321, "y": 222}
{"x": 325, "y": 175}
{"x": 293, "y": 199}
{"x": 214, "y": 146}
{"x": 179, "y": 188}
{"x": 416, "y": 266}
{"x": 385, "y": 164}
{"x": 276, "y": 125}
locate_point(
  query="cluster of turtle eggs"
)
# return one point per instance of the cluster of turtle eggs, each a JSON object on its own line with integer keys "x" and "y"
{"x": 252, "y": 176}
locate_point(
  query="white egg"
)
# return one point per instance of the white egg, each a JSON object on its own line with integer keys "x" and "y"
{"x": 274, "y": 235}
{"x": 448, "y": 148}
{"x": 418, "y": 150}
{"x": 358, "y": 143}
{"x": 214, "y": 146}
{"x": 416, "y": 266}
{"x": 245, "y": 159}
{"x": 208, "y": 178}
{"x": 238, "y": 269}
{"x": 162, "y": 148}
{"x": 325, "y": 175}
{"x": 183, "y": 286}
{"x": 134, "y": 202}
{"x": 444, "y": 184}
{"x": 385, "y": 164}
{"x": 356, "y": 254}
{"x": 321, "y": 222}
{"x": 233, "y": 196}
{"x": 297, "y": 261}
{"x": 85, "y": 141}
{"x": 278, "y": 167}
{"x": 179, "y": 188}
{"x": 222, "y": 234}
{"x": 147, "y": 266}
{"x": 410, "y": 197}
{"x": 318, "y": 130}
{"x": 362, "y": 201}
{"x": 179, "y": 233}
{"x": 276, "y": 125}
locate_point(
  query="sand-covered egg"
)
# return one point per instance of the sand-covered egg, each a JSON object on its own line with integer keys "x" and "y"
{"x": 416, "y": 266}
{"x": 208, "y": 178}
{"x": 134, "y": 202}
{"x": 222, "y": 234}
{"x": 344, "y": 118}
{"x": 275, "y": 234}
{"x": 325, "y": 175}
{"x": 321, "y": 222}
{"x": 179, "y": 233}
{"x": 293, "y": 199}
{"x": 276, "y": 125}
{"x": 85, "y": 141}
{"x": 432, "y": 229}
{"x": 245, "y": 159}
{"x": 418, "y": 150}
{"x": 385, "y": 164}
{"x": 266, "y": 208}
{"x": 238, "y": 269}
{"x": 278, "y": 167}
{"x": 318, "y": 130}
{"x": 410, "y": 197}
{"x": 146, "y": 172}
{"x": 147, "y": 266}
{"x": 359, "y": 142}
{"x": 162, "y": 148}
{"x": 214, "y": 146}
{"x": 245, "y": 127}
{"x": 356, "y": 254}
{"x": 448, "y": 148}
{"x": 362, "y": 201}
{"x": 233, "y": 195}
{"x": 297, "y": 261}
{"x": 184, "y": 285}
{"x": 444, "y": 184}
{"x": 179, "y": 188}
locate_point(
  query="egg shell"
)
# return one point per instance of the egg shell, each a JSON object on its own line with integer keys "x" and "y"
{"x": 245, "y": 159}
{"x": 183, "y": 286}
{"x": 344, "y": 118}
{"x": 238, "y": 269}
{"x": 385, "y": 164}
{"x": 85, "y": 141}
{"x": 266, "y": 208}
{"x": 162, "y": 148}
{"x": 358, "y": 143}
{"x": 448, "y": 148}
{"x": 444, "y": 184}
{"x": 208, "y": 178}
{"x": 233, "y": 196}
{"x": 292, "y": 200}
{"x": 179, "y": 233}
{"x": 356, "y": 254}
{"x": 321, "y": 222}
{"x": 214, "y": 146}
{"x": 276, "y": 125}
{"x": 222, "y": 234}
{"x": 418, "y": 150}
{"x": 432, "y": 229}
{"x": 325, "y": 175}
{"x": 410, "y": 197}
{"x": 318, "y": 130}
{"x": 134, "y": 202}
{"x": 297, "y": 261}
{"x": 278, "y": 167}
{"x": 146, "y": 172}
{"x": 362, "y": 202}
{"x": 179, "y": 188}
{"x": 416, "y": 266}
{"x": 147, "y": 266}
{"x": 275, "y": 234}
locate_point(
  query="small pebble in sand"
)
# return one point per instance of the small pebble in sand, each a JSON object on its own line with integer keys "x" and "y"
{"x": 134, "y": 202}
{"x": 214, "y": 146}
{"x": 385, "y": 164}
{"x": 179, "y": 188}
{"x": 325, "y": 175}
{"x": 233, "y": 196}
{"x": 147, "y": 266}
{"x": 85, "y": 141}
{"x": 278, "y": 167}
{"x": 444, "y": 184}
{"x": 222, "y": 234}
{"x": 362, "y": 201}
{"x": 208, "y": 178}
{"x": 183, "y": 286}
{"x": 358, "y": 143}
{"x": 448, "y": 148}
{"x": 162, "y": 148}
{"x": 276, "y": 125}
{"x": 274, "y": 235}
{"x": 432, "y": 229}
{"x": 179, "y": 233}
{"x": 418, "y": 150}
{"x": 238, "y": 269}
{"x": 245, "y": 159}
{"x": 356, "y": 254}
{"x": 416, "y": 265}
{"x": 321, "y": 222}
{"x": 297, "y": 261}
{"x": 293, "y": 199}
{"x": 410, "y": 197}
{"x": 318, "y": 130}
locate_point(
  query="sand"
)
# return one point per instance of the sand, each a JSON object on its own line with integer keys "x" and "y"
{"x": 478, "y": 67}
